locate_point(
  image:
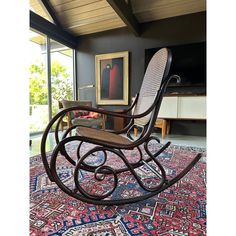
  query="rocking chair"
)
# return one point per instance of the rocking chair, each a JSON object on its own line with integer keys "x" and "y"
{"x": 144, "y": 109}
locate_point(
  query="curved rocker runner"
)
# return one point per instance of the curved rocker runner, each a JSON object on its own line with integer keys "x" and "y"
{"x": 145, "y": 111}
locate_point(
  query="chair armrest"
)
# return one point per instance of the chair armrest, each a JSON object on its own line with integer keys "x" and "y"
{"x": 105, "y": 112}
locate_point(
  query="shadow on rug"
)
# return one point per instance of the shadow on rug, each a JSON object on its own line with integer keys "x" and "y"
{"x": 178, "y": 211}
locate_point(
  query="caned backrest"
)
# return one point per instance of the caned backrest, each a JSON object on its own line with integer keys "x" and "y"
{"x": 150, "y": 85}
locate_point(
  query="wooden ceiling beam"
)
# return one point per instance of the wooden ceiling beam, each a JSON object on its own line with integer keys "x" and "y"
{"x": 124, "y": 11}
{"x": 40, "y": 24}
{"x": 48, "y": 6}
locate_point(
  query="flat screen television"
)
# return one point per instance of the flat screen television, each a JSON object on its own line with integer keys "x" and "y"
{"x": 188, "y": 61}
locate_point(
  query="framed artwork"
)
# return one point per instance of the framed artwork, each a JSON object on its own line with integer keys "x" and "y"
{"x": 112, "y": 82}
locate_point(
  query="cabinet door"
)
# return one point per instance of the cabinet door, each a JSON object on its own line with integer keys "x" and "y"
{"x": 168, "y": 107}
{"x": 192, "y": 107}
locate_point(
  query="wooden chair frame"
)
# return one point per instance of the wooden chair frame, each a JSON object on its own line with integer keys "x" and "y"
{"x": 116, "y": 148}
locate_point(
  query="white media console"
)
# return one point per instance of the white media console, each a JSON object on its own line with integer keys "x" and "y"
{"x": 186, "y": 107}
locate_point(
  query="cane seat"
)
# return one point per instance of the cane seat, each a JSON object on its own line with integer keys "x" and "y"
{"x": 101, "y": 135}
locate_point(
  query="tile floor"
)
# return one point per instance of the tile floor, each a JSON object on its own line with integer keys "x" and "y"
{"x": 183, "y": 140}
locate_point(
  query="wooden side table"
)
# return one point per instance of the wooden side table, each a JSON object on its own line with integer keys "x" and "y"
{"x": 118, "y": 122}
{"x": 164, "y": 125}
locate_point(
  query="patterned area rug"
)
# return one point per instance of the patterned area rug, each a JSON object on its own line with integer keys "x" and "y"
{"x": 178, "y": 211}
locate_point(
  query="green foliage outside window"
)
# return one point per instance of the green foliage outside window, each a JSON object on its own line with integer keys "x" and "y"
{"x": 61, "y": 84}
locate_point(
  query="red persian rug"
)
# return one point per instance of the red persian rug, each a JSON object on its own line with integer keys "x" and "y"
{"x": 178, "y": 211}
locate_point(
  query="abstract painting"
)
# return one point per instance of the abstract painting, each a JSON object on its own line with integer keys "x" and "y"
{"x": 112, "y": 78}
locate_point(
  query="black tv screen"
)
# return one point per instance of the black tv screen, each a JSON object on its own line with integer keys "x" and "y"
{"x": 188, "y": 61}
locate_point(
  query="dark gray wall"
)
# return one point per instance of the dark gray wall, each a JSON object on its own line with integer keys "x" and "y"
{"x": 173, "y": 31}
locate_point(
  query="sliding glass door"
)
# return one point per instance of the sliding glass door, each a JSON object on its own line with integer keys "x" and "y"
{"x": 38, "y": 83}
{"x": 51, "y": 79}
{"x": 61, "y": 74}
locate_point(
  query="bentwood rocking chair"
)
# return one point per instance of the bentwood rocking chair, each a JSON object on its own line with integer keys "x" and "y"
{"x": 118, "y": 143}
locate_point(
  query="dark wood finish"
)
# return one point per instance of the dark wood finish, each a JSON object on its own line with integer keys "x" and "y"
{"x": 107, "y": 144}
{"x": 125, "y": 12}
{"x": 40, "y": 24}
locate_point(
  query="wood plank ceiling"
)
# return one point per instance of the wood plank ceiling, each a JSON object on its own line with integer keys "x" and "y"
{"x": 81, "y": 17}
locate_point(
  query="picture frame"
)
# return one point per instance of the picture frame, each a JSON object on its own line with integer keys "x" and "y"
{"x": 112, "y": 78}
